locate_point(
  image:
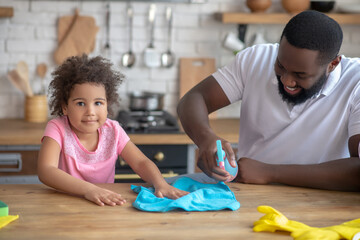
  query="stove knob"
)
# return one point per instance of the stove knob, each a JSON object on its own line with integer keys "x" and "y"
{"x": 122, "y": 162}
{"x": 159, "y": 156}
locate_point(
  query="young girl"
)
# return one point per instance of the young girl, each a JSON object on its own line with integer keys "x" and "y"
{"x": 80, "y": 146}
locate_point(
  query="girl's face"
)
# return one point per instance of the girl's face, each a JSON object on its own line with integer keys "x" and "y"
{"x": 86, "y": 108}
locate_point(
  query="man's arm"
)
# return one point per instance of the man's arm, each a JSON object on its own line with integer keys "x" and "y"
{"x": 341, "y": 174}
{"x": 193, "y": 110}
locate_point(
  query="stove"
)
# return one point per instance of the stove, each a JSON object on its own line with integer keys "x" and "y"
{"x": 170, "y": 159}
{"x": 147, "y": 122}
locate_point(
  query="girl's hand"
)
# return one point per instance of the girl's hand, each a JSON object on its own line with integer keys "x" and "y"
{"x": 166, "y": 190}
{"x": 102, "y": 197}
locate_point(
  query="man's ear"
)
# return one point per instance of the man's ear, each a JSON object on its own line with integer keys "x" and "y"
{"x": 332, "y": 65}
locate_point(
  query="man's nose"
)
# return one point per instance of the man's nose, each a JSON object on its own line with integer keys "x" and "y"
{"x": 288, "y": 80}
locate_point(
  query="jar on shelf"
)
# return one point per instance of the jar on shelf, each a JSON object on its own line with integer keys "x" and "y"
{"x": 258, "y": 5}
{"x": 295, "y": 6}
{"x": 36, "y": 109}
{"x": 322, "y": 5}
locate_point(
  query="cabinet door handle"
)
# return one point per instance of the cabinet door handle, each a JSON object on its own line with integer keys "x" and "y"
{"x": 159, "y": 156}
{"x": 135, "y": 176}
{"x": 10, "y": 162}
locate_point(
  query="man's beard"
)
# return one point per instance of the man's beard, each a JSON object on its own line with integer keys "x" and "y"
{"x": 304, "y": 94}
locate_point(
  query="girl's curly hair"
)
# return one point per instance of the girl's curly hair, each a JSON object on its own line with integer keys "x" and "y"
{"x": 82, "y": 69}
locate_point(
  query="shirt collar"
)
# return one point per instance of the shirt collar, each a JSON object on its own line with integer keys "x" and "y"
{"x": 332, "y": 80}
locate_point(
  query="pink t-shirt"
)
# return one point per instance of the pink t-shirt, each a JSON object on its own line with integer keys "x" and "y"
{"x": 75, "y": 159}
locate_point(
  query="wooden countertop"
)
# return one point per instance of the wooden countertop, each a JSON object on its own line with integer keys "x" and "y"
{"x": 20, "y": 132}
{"x": 47, "y": 214}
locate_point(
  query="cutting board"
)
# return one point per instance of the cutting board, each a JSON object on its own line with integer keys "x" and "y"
{"x": 64, "y": 25}
{"x": 76, "y": 35}
{"x": 193, "y": 71}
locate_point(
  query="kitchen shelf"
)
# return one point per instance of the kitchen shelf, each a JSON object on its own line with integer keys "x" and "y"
{"x": 6, "y": 12}
{"x": 152, "y": 1}
{"x": 278, "y": 18}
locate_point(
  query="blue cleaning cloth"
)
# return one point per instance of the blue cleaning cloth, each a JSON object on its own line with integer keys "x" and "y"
{"x": 201, "y": 197}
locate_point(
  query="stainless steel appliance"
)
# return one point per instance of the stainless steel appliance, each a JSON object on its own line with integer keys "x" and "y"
{"x": 148, "y": 122}
{"x": 146, "y": 101}
{"x": 170, "y": 159}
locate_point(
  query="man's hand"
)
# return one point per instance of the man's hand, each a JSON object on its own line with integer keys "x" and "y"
{"x": 254, "y": 172}
{"x": 207, "y": 161}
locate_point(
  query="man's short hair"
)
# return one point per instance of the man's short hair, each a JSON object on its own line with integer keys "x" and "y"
{"x": 315, "y": 31}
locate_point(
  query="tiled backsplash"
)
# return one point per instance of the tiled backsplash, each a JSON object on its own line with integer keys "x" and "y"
{"x": 31, "y": 35}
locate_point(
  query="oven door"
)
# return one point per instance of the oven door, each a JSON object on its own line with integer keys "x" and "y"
{"x": 170, "y": 159}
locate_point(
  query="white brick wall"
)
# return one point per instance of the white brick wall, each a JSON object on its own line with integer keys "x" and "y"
{"x": 31, "y": 35}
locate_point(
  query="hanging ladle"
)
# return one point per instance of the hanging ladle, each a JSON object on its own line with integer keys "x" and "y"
{"x": 168, "y": 58}
{"x": 128, "y": 59}
{"x": 107, "y": 40}
{"x": 41, "y": 72}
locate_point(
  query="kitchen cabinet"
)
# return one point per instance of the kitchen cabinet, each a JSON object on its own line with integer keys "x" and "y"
{"x": 18, "y": 164}
{"x": 172, "y": 160}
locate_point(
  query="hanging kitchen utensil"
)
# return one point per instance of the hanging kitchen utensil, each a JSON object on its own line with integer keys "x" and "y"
{"x": 151, "y": 56}
{"x": 128, "y": 59}
{"x": 168, "y": 58}
{"x": 23, "y": 71}
{"x": 107, "y": 40}
{"x": 16, "y": 80}
{"x": 41, "y": 72}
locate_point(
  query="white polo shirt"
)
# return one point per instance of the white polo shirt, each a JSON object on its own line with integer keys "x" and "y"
{"x": 273, "y": 131}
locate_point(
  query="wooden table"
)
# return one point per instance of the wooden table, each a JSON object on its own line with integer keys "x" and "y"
{"x": 47, "y": 214}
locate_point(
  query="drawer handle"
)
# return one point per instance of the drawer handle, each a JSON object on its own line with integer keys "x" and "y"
{"x": 170, "y": 174}
{"x": 122, "y": 162}
{"x": 135, "y": 176}
{"x": 159, "y": 156}
{"x": 10, "y": 159}
{"x": 127, "y": 176}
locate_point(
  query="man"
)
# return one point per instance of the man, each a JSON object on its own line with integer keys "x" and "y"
{"x": 300, "y": 110}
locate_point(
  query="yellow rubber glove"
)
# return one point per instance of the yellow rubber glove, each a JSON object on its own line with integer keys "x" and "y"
{"x": 347, "y": 230}
{"x": 273, "y": 220}
{"x": 7, "y": 219}
{"x": 316, "y": 233}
